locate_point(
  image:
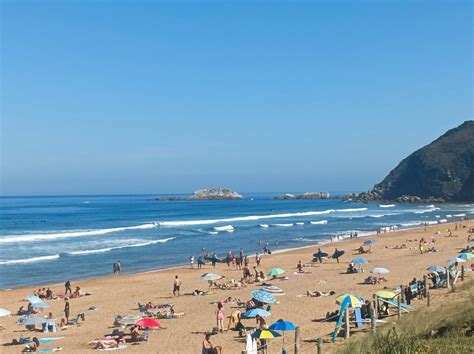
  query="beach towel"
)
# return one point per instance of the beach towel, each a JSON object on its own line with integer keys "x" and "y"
{"x": 49, "y": 340}
{"x": 358, "y": 317}
{"x": 49, "y": 350}
{"x": 122, "y": 346}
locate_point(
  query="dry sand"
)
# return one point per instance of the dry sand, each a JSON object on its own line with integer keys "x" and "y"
{"x": 115, "y": 295}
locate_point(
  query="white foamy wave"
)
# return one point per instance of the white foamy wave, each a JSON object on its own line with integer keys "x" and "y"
{"x": 412, "y": 223}
{"x": 350, "y": 210}
{"x": 387, "y": 205}
{"x": 102, "y": 250}
{"x": 242, "y": 218}
{"x": 459, "y": 215}
{"x": 302, "y": 239}
{"x": 299, "y": 223}
{"x": 264, "y": 225}
{"x": 449, "y": 216}
{"x": 67, "y": 234}
{"x": 226, "y": 228}
{"x": 443, "y": 220}
{"x": 322, "y": 222}
{"x": 377, "y": 216}
{"x": 30, "y": 260}
{"x": 283, "y": 225}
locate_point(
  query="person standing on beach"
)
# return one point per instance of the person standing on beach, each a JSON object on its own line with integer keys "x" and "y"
{"x": 318, "y": 256}
{"x": 191, "y": 261}
{"x": 115, "y": 268}
{"x": 220, "y": 317}
{"x": 68, "y": 287}
{"x": 176, "y": 286}
{"x": 66, "y": 309}
{"x": 336, "y": 255}
{"x": 258, "y": 259}
{"x": 200, "y": 262}
{"x": 119, "y": 268}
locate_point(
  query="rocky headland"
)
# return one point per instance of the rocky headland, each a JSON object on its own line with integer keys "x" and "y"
{"x": 208, "y": 194}
{"x": 307, "y": 195}
{"x": 442, "y": 171}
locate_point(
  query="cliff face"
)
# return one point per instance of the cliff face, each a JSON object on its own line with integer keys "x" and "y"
{"x": 442, "y": 170}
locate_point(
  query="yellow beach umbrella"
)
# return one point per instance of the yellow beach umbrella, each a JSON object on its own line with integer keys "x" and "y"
{"x": 354, "y": 300}
{"x": 385, "y": 294}
{"x": 265, "y": 334}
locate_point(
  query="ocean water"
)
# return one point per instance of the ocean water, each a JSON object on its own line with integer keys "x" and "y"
{"x": 52, "y": 239}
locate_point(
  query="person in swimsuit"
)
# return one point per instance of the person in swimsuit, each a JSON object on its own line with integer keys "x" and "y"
{"x": 68, "y": 287}
{"x": 208, "y": 347}
{"x": 176, "y": 286}
{"x": 66, "y": 309}
{"x": 220, "y": 317}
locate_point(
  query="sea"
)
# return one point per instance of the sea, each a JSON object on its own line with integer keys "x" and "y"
{"x": 50, "y": 239}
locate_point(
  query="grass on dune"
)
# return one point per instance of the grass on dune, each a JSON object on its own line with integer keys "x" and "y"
{"x": 445, "y": 327}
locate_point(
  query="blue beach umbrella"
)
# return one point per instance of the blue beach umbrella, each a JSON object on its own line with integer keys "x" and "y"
{"x": 465, "y": 255}
{"x": 281, "y": 325}
{"x": 40, "y": 304}
{"x": 369, "y": 242}
{"x": 256, "y": 312}
{"x": 379, "y": 270}
{"x": 456, "y": 260}
{"x": 263, "y": 296}
{"x": 360, "y": 261}
{"x": 265, "y": 334}
{"x": 436, "y": 269}
{"x": 33, "y": 299}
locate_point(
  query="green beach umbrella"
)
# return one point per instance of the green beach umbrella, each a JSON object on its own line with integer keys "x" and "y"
{"x": 275, "y": 271}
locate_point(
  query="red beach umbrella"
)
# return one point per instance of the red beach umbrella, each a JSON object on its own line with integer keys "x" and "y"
{"x": 147, "y": 323}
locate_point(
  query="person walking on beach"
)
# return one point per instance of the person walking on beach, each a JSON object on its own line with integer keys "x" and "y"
{"x": 115, "y": 268}
{"x": 200, "y": 262}
{"x": 336, "y": 255}
{"x": 319, "y": 256}
{"x": 220, "y": 317}
{"x": 66, "y": 309}
{"x": 68, "y": 287}
{"x": 258, "y": 259}
{"x": 191, "y": 261}
{"x": 176, "y": 286}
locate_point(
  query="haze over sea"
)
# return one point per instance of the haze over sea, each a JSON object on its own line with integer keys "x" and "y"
{"x": 53, "y": 238}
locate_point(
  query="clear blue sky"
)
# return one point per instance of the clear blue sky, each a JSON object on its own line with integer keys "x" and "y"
{"x": 146, "y": 97}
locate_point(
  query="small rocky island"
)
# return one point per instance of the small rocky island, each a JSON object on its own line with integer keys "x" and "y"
{"x": 442, "y": 171}
{"x": 208, "y": 194}
{"x": 307, "y": 195}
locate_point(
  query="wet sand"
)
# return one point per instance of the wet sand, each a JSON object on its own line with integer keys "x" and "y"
{"x": 115, "y": 295}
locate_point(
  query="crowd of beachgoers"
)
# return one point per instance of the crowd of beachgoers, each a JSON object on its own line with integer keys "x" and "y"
{"x": 242, "y": 292}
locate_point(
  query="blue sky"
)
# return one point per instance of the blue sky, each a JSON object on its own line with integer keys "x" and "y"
{"x": 106, "y": 97}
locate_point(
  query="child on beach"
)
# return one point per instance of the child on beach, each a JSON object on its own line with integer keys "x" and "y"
{"x": 220, "y": 317}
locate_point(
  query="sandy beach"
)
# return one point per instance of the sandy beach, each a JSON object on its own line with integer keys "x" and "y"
{"x": 114, "y": 295}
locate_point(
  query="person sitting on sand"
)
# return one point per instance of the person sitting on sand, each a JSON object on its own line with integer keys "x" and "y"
{"x": 261, "y": 276}
{"x": 32, "y": 347}
{"x": 261, "y": 323}
{"x": 208, "y": 347}
{"x": 299, "y": 267}
{"x": 351, "y": 269}
{"x": 317, "y": 293}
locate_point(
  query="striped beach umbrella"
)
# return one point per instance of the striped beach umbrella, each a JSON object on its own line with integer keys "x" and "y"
{"x": 354, "y": 300}
{"x": 275, "y": 290}
{"x": 263, "y": 296}
{"x": 265, "y": 334}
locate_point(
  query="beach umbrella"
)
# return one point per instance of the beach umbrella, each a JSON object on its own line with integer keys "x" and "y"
{"x": 265, "y": 334}
{"x": 256, "y": 312}
{"x": 379, "y": 270}
{"x": 263, "y": 296}
{"x": 385, "y": 294}
{"x": 33, "y": 299}
{"x": 456, "y": 260}
{"x": 32, "y": 321}
{"x": 275, "y": 271}
{"x": 359, "y": 261}
{"x": 369, "y": 242}
{"x": 147, "y": 323}
{"x": 436, "y": 269}
{"x": 210, "y": 276}
{"x": 354, "y": 300}
{"x": 4, "y": 312}
{"x": 281, "y": 325}
{"x": 465, "y": 255}
{"x": 40, "y": 304}
{"x": 275, "y": 290}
